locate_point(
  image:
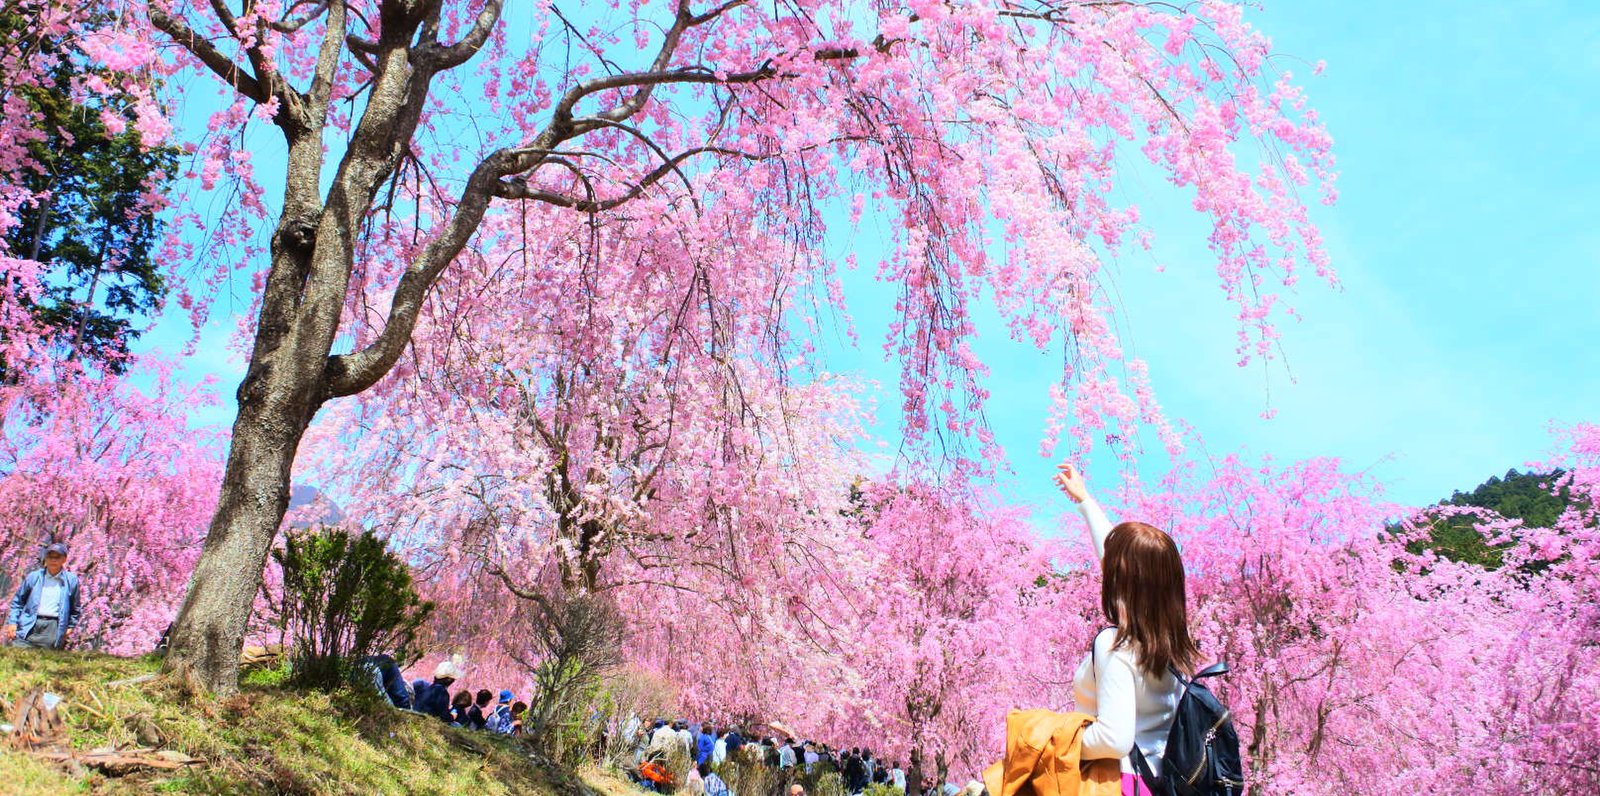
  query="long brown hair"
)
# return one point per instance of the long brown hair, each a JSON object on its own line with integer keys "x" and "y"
{"x": 1142, "y": 594}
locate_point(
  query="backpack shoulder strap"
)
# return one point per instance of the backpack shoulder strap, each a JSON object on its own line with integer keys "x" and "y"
{"x": 1142, "y": 766}
{"x": 1218, "y": 668}
{"x": 1092, "y": 639}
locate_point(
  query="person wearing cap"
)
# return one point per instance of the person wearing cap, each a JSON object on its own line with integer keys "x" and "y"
{"x": 45, "y": 610}
{"x": 434, "y": 698}
{"x": 499, "y": 719}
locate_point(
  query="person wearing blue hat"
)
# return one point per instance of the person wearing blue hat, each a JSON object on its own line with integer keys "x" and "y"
{"x": 45, "y": 610}
{"x": 500, "y": 719}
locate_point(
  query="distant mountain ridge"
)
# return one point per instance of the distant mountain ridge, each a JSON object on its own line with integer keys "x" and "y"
{"x": 302, "y": 495}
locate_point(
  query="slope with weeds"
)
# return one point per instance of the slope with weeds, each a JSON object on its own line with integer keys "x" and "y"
{"x": 267, "y": 739}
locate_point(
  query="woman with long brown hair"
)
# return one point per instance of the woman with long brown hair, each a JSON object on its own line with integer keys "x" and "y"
{"x": 1126, "y": 681}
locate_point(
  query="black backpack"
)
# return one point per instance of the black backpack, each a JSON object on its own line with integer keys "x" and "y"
{"x": 1202, "y": 756}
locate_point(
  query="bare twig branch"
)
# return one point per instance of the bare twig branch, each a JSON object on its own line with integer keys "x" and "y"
{"x": 460, "y": 52}
{"x": 519, "y": 189}
{"x": 287, "y": 25}
{"x": 202, "y": 48}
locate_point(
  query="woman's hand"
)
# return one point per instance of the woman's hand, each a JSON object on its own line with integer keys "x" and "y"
{"x": 1070, "y": 480}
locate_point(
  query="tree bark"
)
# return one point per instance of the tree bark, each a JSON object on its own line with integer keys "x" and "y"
{"x": 914, "y": 773}
{"x": 274, "y": 411}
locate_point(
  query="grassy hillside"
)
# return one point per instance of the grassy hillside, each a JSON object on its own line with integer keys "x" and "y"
{"x": 265, "y": 740}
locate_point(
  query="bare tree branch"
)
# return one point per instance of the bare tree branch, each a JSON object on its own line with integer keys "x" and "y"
{"x": 287, "y": 25}
{"x": 327, "y": 58}
{"x": 225, "y": 15}
{"x": 362, "y": 50}
{"x": 645, "y": 80}
{"x": 519, "y": 189}
{"x": 347, "y": 374}
{"x": 202, "y": 48}
{"x": 460, "y": 52}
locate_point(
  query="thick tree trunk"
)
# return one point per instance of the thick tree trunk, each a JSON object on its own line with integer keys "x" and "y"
{"x": 281, "y": 391}
{"x": 914, "y": 773}
{"x": 210, "y": 628}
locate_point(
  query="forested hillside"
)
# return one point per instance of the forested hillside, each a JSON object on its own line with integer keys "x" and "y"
{"x": 1518, "y": 496}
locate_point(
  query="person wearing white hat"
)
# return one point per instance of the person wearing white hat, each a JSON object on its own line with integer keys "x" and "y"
{"x": 434, "y": 699}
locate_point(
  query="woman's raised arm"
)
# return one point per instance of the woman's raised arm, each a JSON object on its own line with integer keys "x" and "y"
{"x": 1070, "y": 480}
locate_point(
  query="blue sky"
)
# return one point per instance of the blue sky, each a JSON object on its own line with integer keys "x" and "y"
{"x": 1467, "y": 239}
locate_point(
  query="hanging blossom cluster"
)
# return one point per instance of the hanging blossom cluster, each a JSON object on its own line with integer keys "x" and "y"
{"x": 553, "y": 431}
{"x": 985, "y": 135}
{"x": 1348, "y": 646}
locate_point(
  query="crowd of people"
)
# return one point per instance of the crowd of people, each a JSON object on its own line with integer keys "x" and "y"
{"x": 709, "y": 749}
{"x": 480, "y": 710}
{"x": 45, "y": 608}
{"x": 702, "y": 749}
{"x": 667, "y": 756}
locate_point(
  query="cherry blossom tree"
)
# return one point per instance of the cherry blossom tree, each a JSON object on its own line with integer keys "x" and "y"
{"x": 95, "y": 445}
{"x": 111, "y": 470}
{"x": 966, "y": 123}
{"x": 956, "y": 624}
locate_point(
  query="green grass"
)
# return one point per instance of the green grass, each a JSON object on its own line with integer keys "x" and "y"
{"x": 266, "y": 739}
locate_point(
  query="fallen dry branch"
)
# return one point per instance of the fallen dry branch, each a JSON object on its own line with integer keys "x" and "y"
{"x": 39, "y": 731}
{"x": 143, "y": 678}
{"x": 116, "y": 763}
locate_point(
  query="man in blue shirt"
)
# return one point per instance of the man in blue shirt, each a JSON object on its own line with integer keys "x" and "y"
{"x": 45, "y": 610}
{"x": 705, "y": 742}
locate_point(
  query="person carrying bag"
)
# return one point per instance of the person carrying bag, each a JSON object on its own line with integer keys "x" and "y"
{"x": 1140, "y": 673}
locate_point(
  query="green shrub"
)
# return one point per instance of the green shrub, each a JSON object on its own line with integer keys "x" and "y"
{"x": 573, "y": 642}
{"x": 746, "y": 777}
{"x": 345, "y": 596}
{"x": 829, "y": 783}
